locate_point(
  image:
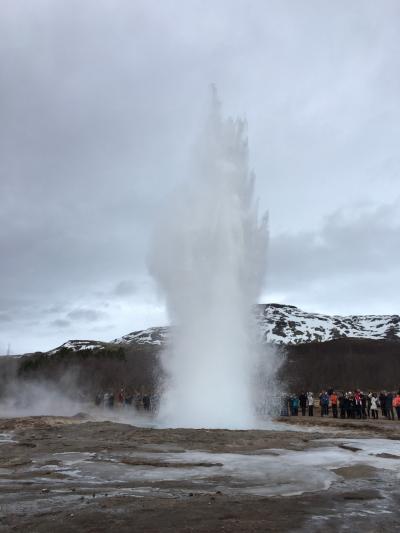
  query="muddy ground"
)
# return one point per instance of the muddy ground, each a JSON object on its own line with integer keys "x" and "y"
{"x": 62, "y": 474}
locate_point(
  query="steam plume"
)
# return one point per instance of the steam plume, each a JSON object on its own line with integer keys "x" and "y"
{"x": 208, "y": 258}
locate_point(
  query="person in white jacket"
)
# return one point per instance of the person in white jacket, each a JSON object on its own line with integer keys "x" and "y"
{"x": 310, "y": 403}
{"x": 374, "y": 406}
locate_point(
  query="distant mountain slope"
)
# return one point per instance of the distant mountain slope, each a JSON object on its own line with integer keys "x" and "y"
{"x": 154, "y": 336}
{"x": 79, "y": 346}
{"x": 279, "y": 324}
{"x": 286, "y": 324}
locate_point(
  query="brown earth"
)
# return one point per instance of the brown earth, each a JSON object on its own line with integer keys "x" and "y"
{"x": 39, "y": 494}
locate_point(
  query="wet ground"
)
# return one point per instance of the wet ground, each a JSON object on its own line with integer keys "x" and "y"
{"x": 81, "y": 474}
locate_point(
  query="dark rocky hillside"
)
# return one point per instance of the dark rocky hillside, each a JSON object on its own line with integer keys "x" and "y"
{"x": 343, "y": 364}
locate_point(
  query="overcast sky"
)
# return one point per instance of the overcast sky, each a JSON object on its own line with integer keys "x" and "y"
{"x": 100, "y": 104}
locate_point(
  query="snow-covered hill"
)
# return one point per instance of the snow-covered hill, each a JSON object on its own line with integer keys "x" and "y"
{"x": 286, "y": 324}
{"x": 279, "y": 324}
{"x": 156, "y": 336}
{"x": 79, "y": 346}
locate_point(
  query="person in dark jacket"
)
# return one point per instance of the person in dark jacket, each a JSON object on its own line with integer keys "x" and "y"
{"x": 324, "y": 402}
{"x": 358, "y": 404}
{"x": 382, "y": 401}
{"x": 342, "y": 406}
{"x": 389, "y": 406}
{"x": 146, "y": 402}
{"x": 347, "y": 404}
{"x": 369, "y": 404}
{"x": 303, "y": 403}
{"x": 364, "y": 405}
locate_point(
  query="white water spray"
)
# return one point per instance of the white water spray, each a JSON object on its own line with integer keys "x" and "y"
{"x": 208, "y": 258}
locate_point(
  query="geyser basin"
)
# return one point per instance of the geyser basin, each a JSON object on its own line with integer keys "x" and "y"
{"x": 272, "y": 472}
{"x": 208, "y": 258}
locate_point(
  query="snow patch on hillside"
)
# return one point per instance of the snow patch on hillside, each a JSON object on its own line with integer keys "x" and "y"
{"x": 78, "y": 346}
{"x": 154, "y": 336}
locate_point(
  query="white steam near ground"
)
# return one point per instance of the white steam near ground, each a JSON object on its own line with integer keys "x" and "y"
{"x": 42, "y": 397}
{"x": 209, "y": 260}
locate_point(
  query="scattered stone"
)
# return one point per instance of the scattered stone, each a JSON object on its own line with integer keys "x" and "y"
{"x": 348, "y": 447}
{"x": 363, "y": 495}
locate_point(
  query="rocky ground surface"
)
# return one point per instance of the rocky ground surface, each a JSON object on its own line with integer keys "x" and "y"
{"x": 80, "y": 474}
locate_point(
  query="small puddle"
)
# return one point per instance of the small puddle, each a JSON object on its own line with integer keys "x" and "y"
{"x": 6, "y": 438}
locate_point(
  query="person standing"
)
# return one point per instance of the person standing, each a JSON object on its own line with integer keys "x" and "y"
{"x": 357, "y": 403}
{"x": 382, "y": 401}
{"x": 369, "y": 404}
{"x": 364, "y": 404}
{"x": 334, "y": 402}
{"x": 342, "y": 405}
{"x": 347, "y": 404}
{"x": 310, "y": 403}
{"x": 324, "y": 401}
{"x": 396, "y": 404}
{"x": 374, "y": 407}
{"x": 295, "y": 406}
{"x": 303, "y": 403}
{"x": 389, "y": 406}
{"x": 121, "y": 397}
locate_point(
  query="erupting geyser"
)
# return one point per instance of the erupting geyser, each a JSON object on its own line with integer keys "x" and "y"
{"x": 208, "y": 258}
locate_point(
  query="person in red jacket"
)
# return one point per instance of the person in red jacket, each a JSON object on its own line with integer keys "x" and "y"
{"x": 334, "y": 402}
{"x": 396, "y": 404}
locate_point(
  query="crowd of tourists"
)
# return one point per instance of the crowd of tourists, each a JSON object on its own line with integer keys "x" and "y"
{"x": 123, "y": 399}
{"x": 353, "y": 404}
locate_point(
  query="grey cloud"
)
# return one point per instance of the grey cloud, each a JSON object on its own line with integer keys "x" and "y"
{"x": 86, "y": 315}
{"x": 353, "y": 256}
{"x": 4, "y": 317}
{"x": 60, "y": 323}
{"x": 100, "y": 105}
{"x": 124, "y": 288}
